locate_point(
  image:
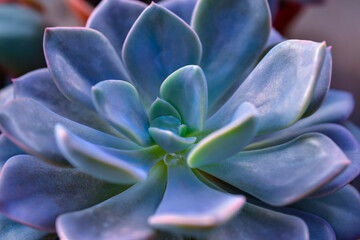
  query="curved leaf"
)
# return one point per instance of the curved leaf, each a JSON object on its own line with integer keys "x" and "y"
{"x": 158, "y": 44}
{"x": 283, "y": 174}
{"x": 120, "y": 104}
{"x": 233, "y": 35}
{"x": 78, "y": 58}
{"x": 189, "y": 207}
{"x": 182, "y": 8}
{"x": 228, "y": 140}
{"x": 280, "y": 86}
{"x": 34, "y": 130}
{"x": 257, "y": 223}
{"x": 114, "y": 18}
{"x": 169, "y": 141}
{"x": 322, "y": 85}
{"x": 40, "y": 192}
{"x": 123, "y": 167}
{"x": 186, "y": 90}
{"x": 336, "y": 108}
{"x": 7, "y": 150}
{"x": 340, "y": 209}
{"x": 121, "y": 217}
{"x": 161, "y": 108}
{"x": 340, "y": 136}
{"x": 40, "y": 86}
{"x": 6, "y": 94}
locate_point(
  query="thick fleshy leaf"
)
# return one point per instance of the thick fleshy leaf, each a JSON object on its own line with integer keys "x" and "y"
{"x": 78, "y": 58}
{"x": 219, "y": 145}
{"x": 319, "y": 229}
{"x": 322, "y": 85}
{"x": 121, "y": 217}
{"x": 114, "y": 18}
{"x": 189, "y": 207}
{"x": 112, "y": 165}
{"x": 34, "y": 130}
{"x": 160, "y": 108}
{"x": 169, "y": 141}
{"x": 40, "y": 86}
{"x": 21, "y": 32}
{"x": 186, "y": 90}
{"x": 7, "y": 149}
{"x": 353, "y": 128}
{"x": 337, "y": 107}
{"x": 283, "y": 174}
{"x": 182, "y": 8}
{"x": 10, "y": 230}
{"x": 257, "y": 223}
{"x": 233, "y": 35}
{"x": 274, "y": 38}
{"x": 40, "y": 192}
{"x": 120, "y": 104}
{"x": 158, "y": 44}
{"x": 340, "y": 209}
{"x": 340, "y": 136}
{"x": 280, "y": 86}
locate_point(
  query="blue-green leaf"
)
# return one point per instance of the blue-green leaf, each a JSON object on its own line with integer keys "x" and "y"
{"x": 40, "y": 191}
{"x": 233, "y": 35}
{"x": 121, "y": 217}
{"x": 186, "y": 90}
{"x": 10, "y": 230}
{"x": 114, "y": 18}
{"x": 340, "y": 209}
{"x": 7, "y": 149}
{"x": 40, "y": 86}
{"x": 283, "y": 174}
{"x": 169, "y": 141}
{"x": 182, "y": 8}
{"x": 6, "y": 94}
{"x": 336, "y": 108}
{"x": 280, "y": 86}
{"x": 257, "y": 223}
{"x": 112, "y": 165}
{"x": 120, "y": 104}
{"x": 78, "y": 58}
{"x": 228, "y": 140}
{"x": 34, "y": 130}
{"x": 189, "y": 207}
{"x": 158, "y": 44}
{"x": 160, "y": 108}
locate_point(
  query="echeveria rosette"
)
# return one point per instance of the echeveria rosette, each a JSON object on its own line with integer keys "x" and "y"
{"x": 141, "y": 110}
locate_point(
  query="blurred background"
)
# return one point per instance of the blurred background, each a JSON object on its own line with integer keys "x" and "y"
{"x": 22, "y": 23}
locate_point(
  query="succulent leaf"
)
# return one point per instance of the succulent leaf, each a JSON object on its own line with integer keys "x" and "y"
{"x": 13, "y": 230}
{"x": 125, "y": 167}
{"x": 70, "y": 58}
{"x": 189, "y": 207}
{"x": 280, "y": 86}
{"x": 182, "y": 8}
{"x": 49, "y": 189}
{"x": 158, "y": 44}
{"x": 7, "y": 150}
{"x": 114, "y": 18}
{"x": 40, "y": 86}
{"x": 119, "y": 103}
{"x": 34, "y": 131}
{"x": 121, "y": 217}
{"x": 186, "y": 90}
{"x": 6, "y": 94}
{"x": 340, "y": 209}
{"x": 160, "y": 107}
{"x": 233, "y": 35}
{"x": 337, "y": 107}
{"x": 258, "y": 223}
{"x": 228, "y": 140}
{"x": 322, "y": 85}
{"x": 338, "y": 134}
{"x": 305, "y": 163}
{"x": 170, "y": 141}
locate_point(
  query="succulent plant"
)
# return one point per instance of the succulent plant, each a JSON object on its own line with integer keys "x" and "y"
{"x": 144, "y": 126}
